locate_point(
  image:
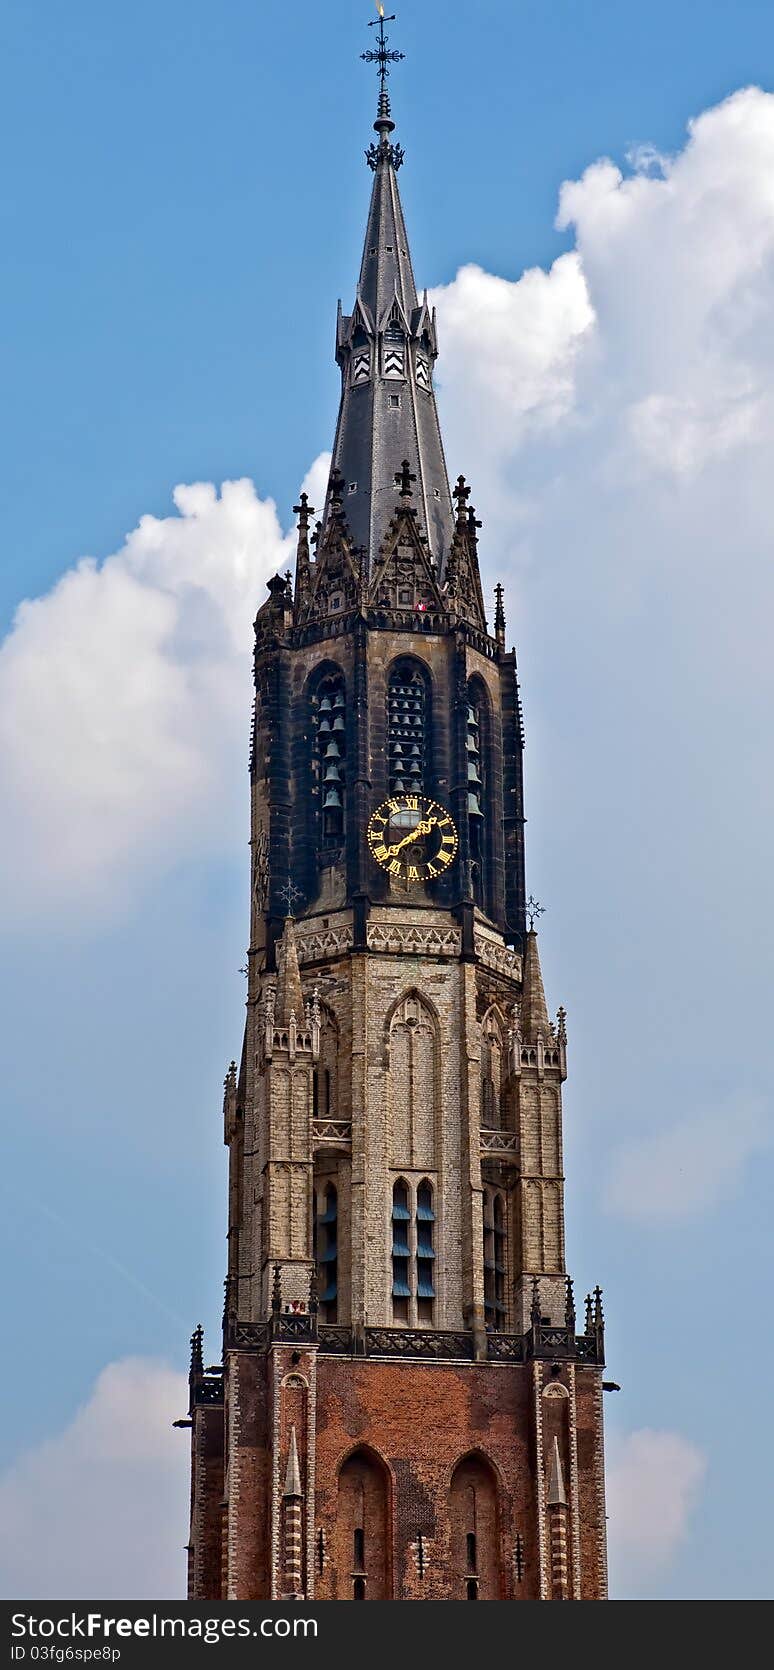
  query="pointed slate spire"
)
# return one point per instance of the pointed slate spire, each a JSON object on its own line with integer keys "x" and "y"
{"x": 292, "y": 1488}
{"x": 534, "y": 1013}
{"x": 289, "y": 1000}
{"x": 386, "y": 348}
{"x": 557, "y": 1495}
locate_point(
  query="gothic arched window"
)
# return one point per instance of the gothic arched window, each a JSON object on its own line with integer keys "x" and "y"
{"x": 491, "y": 1073}
{"x": 475, "y": 1531}
{"x": 476, "y": 749}
{"x": 495, "y": 1259}
{"x": 329, "y": 763}
{"x": 401, "y": 1250}
{"x": 425, "y": 1228}
{"x": 362, "y": 1535}
{"x": 327, "y": 1251}
{"x": 394, "y": 362}
{"x": 407, "y": 726}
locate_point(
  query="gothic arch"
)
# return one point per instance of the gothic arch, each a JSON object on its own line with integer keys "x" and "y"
{"x": 320, "y": 766}
{"x": 494, "y": 1033}
{"x": 363, "y": 1526}
{"x": 408, "y": 697}
{"x": 475, "y": 1514}
{"x": 412, "y": 1036}
{"x": 481, "y": 821}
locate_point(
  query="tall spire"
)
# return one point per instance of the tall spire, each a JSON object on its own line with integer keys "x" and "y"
{"x": 534, "y": 1011}
{"x": 289, "y": 995}
{"x": 386, "y": 348}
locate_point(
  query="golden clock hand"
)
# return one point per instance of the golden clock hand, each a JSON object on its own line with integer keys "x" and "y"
{"x": 422, "y": 828}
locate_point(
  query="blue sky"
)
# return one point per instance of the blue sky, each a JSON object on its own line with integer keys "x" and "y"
{"x": 185, "y": 202}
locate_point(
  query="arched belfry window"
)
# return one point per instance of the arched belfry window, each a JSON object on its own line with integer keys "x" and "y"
{"x": 329, "y": 762}
{"x": 401, "y": 1250}
{"x": 407, "y": 724}
{"x": 495, "y": 1259}
{"x": 475, "y": 749}
{"x": 425, "y": 1237}
{"x": 327, "y": 1252}
{"x": 394, "y": 350}
{"x": 413, "y": 1252}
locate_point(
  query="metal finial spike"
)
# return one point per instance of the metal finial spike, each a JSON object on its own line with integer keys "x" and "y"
{"x": 382, "y": 56}
{"x": 534, "y": 911}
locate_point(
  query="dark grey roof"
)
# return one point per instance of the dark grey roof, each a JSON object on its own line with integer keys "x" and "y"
{"x": 386, "y": 349}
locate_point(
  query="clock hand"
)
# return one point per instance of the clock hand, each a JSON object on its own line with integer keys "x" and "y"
{"x": 422, "y": 828}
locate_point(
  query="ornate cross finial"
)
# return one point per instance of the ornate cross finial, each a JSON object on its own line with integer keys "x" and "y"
{"x": 460, "y": 495}
{"x": 382, "y": 56}
{"x": 404, "y": 479}
{"x": 288, "y": 894}
{"x": 534, "y": 910}
{"x": 303, "y": 510}
{"x": 197, "y": 1358}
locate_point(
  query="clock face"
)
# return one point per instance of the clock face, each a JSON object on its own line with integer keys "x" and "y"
{"x": 412, "y": 838}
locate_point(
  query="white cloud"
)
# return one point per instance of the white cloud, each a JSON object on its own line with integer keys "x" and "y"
{"x": 100, "y": 1511}
{"x": 689, "y": 1166}
{"x": 125, "y": 700}
{"x": 653, "y": 1480}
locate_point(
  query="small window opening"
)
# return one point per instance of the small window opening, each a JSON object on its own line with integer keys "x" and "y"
{"x": 519, "y": 1557}
{"x": 358, "y": 1589}
{"x": 472, "y": 1588}
{"x": 359, "y": 1548}
{"x": 394, "y": 399}
{"x": 353, "y": 487}
{"x": 471, "y": 1548}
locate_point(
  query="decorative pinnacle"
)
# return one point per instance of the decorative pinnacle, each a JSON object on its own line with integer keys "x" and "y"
{"x": 404, "y": 479}
{"x": 499, "y": 619}
{"x": 288, "y": 894}
{"x": 589, "y": 1317}
{"x": 599, "y": 1315}
{"x": 197, "y": 1359}
{"x": 534, "y": 910}
{"x": 303, "y": 510}
{"x": 569, "y": 1306}
{"x": 461, "y": 494}
{"x": 534, "y": 1309}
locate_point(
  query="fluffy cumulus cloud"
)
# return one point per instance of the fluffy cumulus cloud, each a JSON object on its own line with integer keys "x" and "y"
{"x": 653, "y": 1481}
{"x": 100, "y": 1511}
{"x": 124, "y": 696}
{"x": 690, "y": 1165}
{"x": 615, "y": 416}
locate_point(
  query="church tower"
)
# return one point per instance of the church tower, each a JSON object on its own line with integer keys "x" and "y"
{"x": 407, "y": 1407}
